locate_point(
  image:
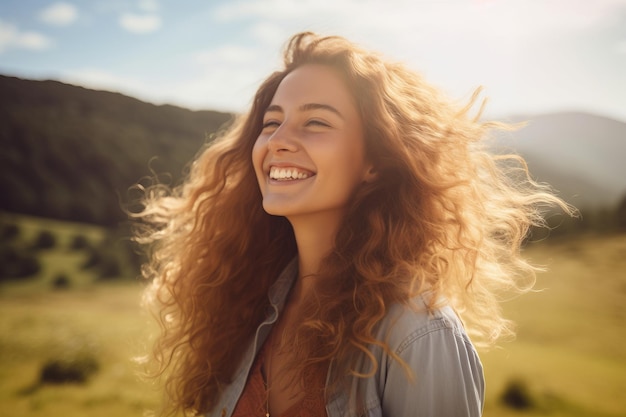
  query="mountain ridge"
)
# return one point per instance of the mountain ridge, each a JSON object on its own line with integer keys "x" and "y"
{"x": 587, "y": 148}
{"x": 72, "y": 153}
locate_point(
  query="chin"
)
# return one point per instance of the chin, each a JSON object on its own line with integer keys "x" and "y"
{"x": 273, "y": 210}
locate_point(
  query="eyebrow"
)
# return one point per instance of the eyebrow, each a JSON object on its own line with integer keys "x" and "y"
{"x": 307, "y": 107}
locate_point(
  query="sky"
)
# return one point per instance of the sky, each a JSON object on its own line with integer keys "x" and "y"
{"x": 531, "y": 56}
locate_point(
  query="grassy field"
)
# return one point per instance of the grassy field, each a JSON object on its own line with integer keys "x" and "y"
{"x": 104, "y": 323}
{"x": 571, "y": 344}
{"x": 570, "y": 351}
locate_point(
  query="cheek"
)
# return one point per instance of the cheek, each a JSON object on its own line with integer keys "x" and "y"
{"x": 353, "y": 155}
{"x": 258, "y": 155}
{"x": 257, "y": 158}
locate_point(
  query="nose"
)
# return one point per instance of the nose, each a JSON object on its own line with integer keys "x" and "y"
{"x": 284, "y": 139}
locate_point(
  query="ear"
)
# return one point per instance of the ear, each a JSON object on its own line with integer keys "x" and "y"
{"x": 370, "y": 174}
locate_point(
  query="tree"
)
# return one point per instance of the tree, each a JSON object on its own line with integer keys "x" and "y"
{"x": 620, "y": 214}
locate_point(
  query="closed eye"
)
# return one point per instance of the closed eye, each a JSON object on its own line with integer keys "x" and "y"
{"x": 316, "y": 122}
{"x": 271, "y": 123}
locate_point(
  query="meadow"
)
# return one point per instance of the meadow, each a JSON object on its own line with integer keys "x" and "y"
{"x": 569, "y": 357}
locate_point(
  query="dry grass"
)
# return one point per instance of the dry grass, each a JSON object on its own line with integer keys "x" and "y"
{"x": 569, "y": 351}
{"x": 105, "y": 322}
{"x": 570, "y": 346}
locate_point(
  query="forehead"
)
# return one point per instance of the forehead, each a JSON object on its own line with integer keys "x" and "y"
{"x": 314, "y": 83}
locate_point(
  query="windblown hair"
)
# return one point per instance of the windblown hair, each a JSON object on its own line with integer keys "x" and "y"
{"x": 444, "y": 215}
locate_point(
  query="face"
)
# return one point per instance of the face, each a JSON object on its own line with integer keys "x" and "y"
{"x": 310, "y": 157}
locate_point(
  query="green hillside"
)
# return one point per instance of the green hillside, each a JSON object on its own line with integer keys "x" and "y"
{"x": 72, "y": 153}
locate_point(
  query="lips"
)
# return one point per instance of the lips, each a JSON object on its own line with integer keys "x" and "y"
{"x": 289, "y": 173}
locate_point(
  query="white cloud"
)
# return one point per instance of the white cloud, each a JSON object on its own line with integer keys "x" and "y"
{"x": 7, "y": 35}
{"x": 102, "y": 80}
{"x": 217, "y": 88}
{"x": 282, "y": 10}
{"x": 269, "y": 33}
{"x": 12, "y": 37}
{"x": 221, "y": 89}
{"x": 59, "y": 14}
{"x": 144, "y": 23}
{"x": 404, "y": 19}
{"x": 149, "y": 5}
{"x": 223, "y": 78}
{"x": 227, "y": 55}
{"x": 33, "y": 40}
{"x": 516, "y": 48}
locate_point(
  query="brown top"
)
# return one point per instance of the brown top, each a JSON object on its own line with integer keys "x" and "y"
{"x": 253, "y": 400}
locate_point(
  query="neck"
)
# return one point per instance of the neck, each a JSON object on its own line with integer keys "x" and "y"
{"x": 315, "y": 238}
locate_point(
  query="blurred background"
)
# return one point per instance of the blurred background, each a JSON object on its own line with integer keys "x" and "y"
{"x": 96, "y": 96}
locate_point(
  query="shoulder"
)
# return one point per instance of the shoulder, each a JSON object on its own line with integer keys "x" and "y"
{"x": 407, "y": 324}
{"x": 430, "y": 345}
{"x": 436, "y": 369}
{"x": 430, "y": 368}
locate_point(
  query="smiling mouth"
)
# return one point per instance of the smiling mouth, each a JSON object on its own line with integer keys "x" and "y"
{"x": 289, "y": 174}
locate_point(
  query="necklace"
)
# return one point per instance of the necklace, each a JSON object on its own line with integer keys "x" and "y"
{"x": 267, "y": 398}
{"x": 268, "y": 362}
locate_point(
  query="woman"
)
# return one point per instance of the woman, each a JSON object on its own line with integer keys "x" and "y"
{"x": 318, "y": 257}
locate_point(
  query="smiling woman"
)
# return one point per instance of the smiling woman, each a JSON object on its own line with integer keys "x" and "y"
{"x": 321, "y": 254}
{"x": 312, "y": 129}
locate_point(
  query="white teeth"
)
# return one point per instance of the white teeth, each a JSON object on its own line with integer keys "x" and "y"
{"x": 286, "y": 174}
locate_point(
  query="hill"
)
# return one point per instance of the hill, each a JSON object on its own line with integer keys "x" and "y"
{"x": 72, "y": 153}
{"x": 580, "y": 155}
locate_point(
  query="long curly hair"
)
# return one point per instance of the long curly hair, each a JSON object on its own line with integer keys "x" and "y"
{"x": 444, "y": 215}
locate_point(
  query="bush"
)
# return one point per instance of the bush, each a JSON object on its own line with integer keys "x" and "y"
{"x": 45, "y": 240}
{"x": 620, "y": 214}
{"x": 106, "y": 265}
{"x": 516, "y": 395}
{"x": 74, "y": 369}
{"x": 9, "y": 232}
{"x": 94, "y": 259}
{"x": 111, "y": 259}
{"x": 61, "y": 282}
{"x": 79, "y": 242}
{"x": 109, "y": 269}
{"x": 17, "y": 264}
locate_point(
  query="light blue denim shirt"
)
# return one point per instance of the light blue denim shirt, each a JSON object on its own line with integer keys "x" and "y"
{"x": 448, "y": 376}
